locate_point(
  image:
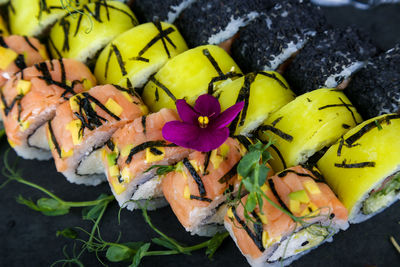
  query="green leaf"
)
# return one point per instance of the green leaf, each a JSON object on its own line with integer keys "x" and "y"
{"x": 164, "y": 243}
{"x": 92, "y": 213}
{"x": 247, "y": 163}
{"x": 51, "y": 207}
{"x": 251, "y": 202}
{"x": 27, "y": 202}
{"x": 249, "y": 185}
{"x": 263, "y": 172}
{"x": 139, "y": 255}
{"x": 119, "y": 253}
{"x": 161, "y": 169}
{"x": 215, "y": 243}
{"x": 68, "y": 233}
{"x": 135, "y": 246}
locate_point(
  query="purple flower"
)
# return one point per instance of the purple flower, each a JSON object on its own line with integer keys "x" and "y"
{"x": 203, "y": 127}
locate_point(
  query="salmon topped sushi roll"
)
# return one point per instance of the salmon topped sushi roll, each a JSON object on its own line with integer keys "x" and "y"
{"x": 17, "y": 53}
{"x": 130, "y": 153}
{"x": 30, "y": 98}
{"x": 84, "y": 124}
{"x": 195, "y": 190}
{"x": 272, "y": 237}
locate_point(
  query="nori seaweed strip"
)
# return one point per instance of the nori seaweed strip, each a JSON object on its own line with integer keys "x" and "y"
{"x": 195, "y": 176}
{"x": 206, "y": 162}
{"x": 98, "y": 103}
{"x": 355, "y": 165}
{"x": 95, "y": 15}
{"x": 229, "y": 175}
{"x": 205, "y": 199}
{"x": 20, "y": 62}
{"x": 273, "y": 76}
{"x": 78, "y": 24}
{"x": 318, "y": 176}
{"x": 221, "y": 78}
{"x": 133, "y": 19}
{"x": 276, "y": 131}
{"x": 285, "y": 172}
{"x": 53, "y": 139}
{"x": 243, "y": 140}
{"x": 162, "y": 86}
{"x": 272, "y": 186}
{"x": 155, "y": 151}
{"x": 275, "y": 122}
{"x": 256, "y": 239}
{"x": 63, "y": 73}
{"x": 334, "y": 105}
{"x": 110, "y": 145}
{"x": 369, "y": 126}
{"x": 11, "y": 7}
{"x": 110, "y": 52}
{"x": 244, "y": 95}
{"x": 162, "y": 34}
{"x": 104, "y": 2}
{"x": 345, "y": 126}
{"x": 55, "y": 48}
{"x": 65, "y": 26}
{"x": 145, "y": 145}
{"x": 144, "y": 124}
{"x": 121, "y": 63}
{"x": 349, "y": 109}
{"x": 339, "y": 150}
{"x": 279, "y": 155}
{"x": 128, "y": 90}
{"x": 156, "y": 95}
{"x": 2, "y": 42}
{"x": 258, "y": 226}
{"x": 207, "y": 53}
{"x": 30, "y": 44}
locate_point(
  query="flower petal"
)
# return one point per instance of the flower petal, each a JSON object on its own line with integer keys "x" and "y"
{"x": 228, "y": 115}
{"x": 180, "y": 133}
{"x": 207, "y": 105}
{"x": 186, "y": 112}
{"x": 190, "y": 136}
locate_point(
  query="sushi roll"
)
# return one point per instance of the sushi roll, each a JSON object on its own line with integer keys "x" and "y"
{"x": 30, "y": 98}
{"x": 329, "y": 60}
{"x": 132, "y": 151}
{"x": 35, "y": 17}
{"x": 215, "y": 21}
{"x": 263, "y": 93}
{"x": 271, "y": 39}
{"x": 81, "y": 35}
{"x": 275, "y": 239}
{"x": 84, "y": 124}
{"x": 166, "y": 10}
{"x": 136, "y": 54}
{"x": 195, "y": 190}
{"x": 3, "y": 27}
{"x": 306, "y": 125}
{"x": 363, "y": 167}
{"x": 375, "y": 89}
{"x": 17, "y": 53}
{"x": 180, "y": 77}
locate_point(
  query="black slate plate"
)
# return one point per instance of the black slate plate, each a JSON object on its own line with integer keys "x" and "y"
{"x": 28, "y": 238}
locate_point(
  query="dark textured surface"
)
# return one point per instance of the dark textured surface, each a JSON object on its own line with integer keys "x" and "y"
{"x": 149, "y": 10}
{"x": 28, "y": 238}
{"x": 267, "y": 37}
{"x": 328, "y": 54}
{"x": 375, "y": 89}
{"x": 214, "y": 16}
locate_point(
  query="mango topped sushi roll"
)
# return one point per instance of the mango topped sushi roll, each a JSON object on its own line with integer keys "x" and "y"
{"x": 30, "y": 98}
{"x": 263, "y": 93}
{"x": 189, "y": 75}
{"x": 34, "y": 17}
{"x": 81, "y": 35}
{"x": 272, "y": 237}
{"x": 363, "y": 167}
{"x": 17, "y": 53}
{"x": 306, "y": 125}
{"x": 130, "y": 154}
{"x": 84, "y": 124}
{"x": 133, "y": 56}
{"x": 195, "y": 190}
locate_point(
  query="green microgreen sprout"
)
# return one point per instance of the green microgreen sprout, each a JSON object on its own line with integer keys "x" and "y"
{"x": 2, "y": 133}
{"x": 162, "y": 169}
{"x": 378, "y": 125}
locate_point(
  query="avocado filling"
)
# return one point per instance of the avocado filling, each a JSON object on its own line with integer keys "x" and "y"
{"x": 382, "y": 198}
{"x": 300, "y": 241}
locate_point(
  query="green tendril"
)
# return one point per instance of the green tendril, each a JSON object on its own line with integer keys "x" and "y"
{"x": 73, "y": 11}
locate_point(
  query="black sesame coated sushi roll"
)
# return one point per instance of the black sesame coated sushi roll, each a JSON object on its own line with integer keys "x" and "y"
{"x": 166, "y": 10}
{"x": 268, "y": 41}
{"x": 375, "y": 89}
{"x": 215, "y": 21}
{"x": 329, "y": 60}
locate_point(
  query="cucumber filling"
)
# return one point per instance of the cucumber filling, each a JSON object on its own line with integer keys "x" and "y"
{"x": 382, "y": 198}
{"x": 300, "y": 241}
